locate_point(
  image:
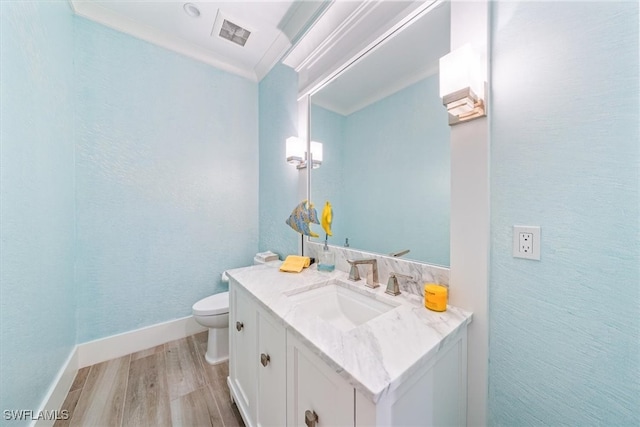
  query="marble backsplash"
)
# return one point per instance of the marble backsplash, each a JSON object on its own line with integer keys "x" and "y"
{"x": 420, "y": 273}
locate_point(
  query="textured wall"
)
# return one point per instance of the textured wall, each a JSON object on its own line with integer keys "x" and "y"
{"x": 393, "y": 198}
{"x": 37, "y": 302}
{"x": 279, "y": 182}
{"x": 167, "y": 158}
{"x": 327, "y": 181}
{"x": 565, "y": 331}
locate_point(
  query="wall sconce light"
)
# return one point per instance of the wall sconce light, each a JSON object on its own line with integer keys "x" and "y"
{"x": 462, "y": 84}
{"x": 296, "y": 152}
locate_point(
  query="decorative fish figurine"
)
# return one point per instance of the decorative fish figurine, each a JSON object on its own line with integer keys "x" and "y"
{"x": 327, "y": 218}
{"x": 301, "y": 217}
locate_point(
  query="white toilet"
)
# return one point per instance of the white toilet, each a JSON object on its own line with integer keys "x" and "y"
{"x": 213, "y": 312}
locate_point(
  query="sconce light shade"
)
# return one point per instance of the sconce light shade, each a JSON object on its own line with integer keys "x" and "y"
{"x": 296, "y": 153}
{"x": 462, "y": 84}
{"x": 295, "y": 150}
{"x": 316, "y": 154}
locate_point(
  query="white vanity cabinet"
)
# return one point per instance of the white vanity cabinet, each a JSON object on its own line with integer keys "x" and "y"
{"x": 270, "y": 370}
{"x": 257, "y": 362}
{"x": 434, "y": 396}
{"x": 276, "y": 379}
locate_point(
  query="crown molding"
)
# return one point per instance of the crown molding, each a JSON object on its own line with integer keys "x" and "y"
{"x": 293, "y": 25}
{"x": 123, "y": 24}
{"x": 332, "y": 24}
{"x": 272, "y": 56}
{"x": 345, "y": 32}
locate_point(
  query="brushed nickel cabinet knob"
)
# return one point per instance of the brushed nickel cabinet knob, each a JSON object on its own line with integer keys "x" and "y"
{"x": 265, "y": 359}
{"x": 310, "y": 418}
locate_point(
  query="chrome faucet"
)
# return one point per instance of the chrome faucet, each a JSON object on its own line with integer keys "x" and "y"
{"x": 392, "y": 284}
{"x": 354, "y": 273}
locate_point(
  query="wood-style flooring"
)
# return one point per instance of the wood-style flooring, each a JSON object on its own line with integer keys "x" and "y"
{"x": 168, "y": 385}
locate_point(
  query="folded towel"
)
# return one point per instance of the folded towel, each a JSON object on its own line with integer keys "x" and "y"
{"x": 295, "y": 263}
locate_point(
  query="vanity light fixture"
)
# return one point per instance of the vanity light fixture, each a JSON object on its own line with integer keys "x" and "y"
{"x": 316, "y": 154}
{"x": 462, "y": 84}
{"x": 297, "y": 153}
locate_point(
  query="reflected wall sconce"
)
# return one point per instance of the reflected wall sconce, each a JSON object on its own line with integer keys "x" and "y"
{"x": 462, "y": 84}
{"x": 296, "y": 152}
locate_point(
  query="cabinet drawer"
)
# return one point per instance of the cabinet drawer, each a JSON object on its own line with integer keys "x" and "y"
{"x": 313, "y": 386}
{"x": 272, "y": 364}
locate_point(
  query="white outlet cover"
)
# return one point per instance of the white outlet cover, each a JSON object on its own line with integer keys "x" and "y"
{"x": 534, "y": 230}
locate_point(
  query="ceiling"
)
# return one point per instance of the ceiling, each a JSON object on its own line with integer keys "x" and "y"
{"x": 273, "y": 26}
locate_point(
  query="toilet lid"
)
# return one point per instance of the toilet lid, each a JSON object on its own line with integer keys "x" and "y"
{"x": 215, "y": 304}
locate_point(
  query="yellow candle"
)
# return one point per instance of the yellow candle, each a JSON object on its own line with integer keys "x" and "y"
{"x": 435, "y": 297}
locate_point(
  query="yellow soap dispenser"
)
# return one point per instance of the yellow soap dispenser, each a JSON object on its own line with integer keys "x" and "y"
{"x": 435, "y": 296}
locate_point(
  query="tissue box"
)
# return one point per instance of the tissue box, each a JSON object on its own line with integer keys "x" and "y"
{"x": 267, "y": 256}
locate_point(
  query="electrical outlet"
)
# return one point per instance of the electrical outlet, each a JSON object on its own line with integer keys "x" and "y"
{"x": 526, "y": 242}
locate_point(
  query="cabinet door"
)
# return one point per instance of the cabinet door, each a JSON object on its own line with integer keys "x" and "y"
{"x": 314, "y": 388}
{"x": 271, "y": 363}
{"x": 242, "y": 359}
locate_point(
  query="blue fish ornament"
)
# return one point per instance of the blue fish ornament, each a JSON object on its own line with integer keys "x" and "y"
{"x": 301, "y": 217}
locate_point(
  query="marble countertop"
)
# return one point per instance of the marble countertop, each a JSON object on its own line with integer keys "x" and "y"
{"x": 375, "y": 356}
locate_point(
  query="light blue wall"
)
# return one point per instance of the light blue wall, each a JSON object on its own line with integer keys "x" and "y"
{"x": 37, "y": 300}
{"x": 167, "y": 194}
{"x": 327, "y": 181}
{"x": 565, "y": 151}
{"x": 148, "y": 184}
{"x": 395, "y": 185}
{"x": 279, "y": 182}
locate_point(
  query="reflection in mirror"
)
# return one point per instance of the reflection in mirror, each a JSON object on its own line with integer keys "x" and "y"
{"x": 386, "y": 167}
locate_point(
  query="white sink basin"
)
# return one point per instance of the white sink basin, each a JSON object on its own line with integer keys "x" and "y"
{"x": 340, "y": 306}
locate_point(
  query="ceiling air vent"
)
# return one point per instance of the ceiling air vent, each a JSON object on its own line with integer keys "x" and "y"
{"x": 234, "y": 33}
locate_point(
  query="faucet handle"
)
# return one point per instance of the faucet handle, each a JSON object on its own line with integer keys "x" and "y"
{"x": 392, "y": 284}
{"x": 354, "y": 273}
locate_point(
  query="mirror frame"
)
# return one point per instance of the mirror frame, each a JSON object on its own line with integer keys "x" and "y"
{"x": 469, "y": 234}
{"x": 305, "y": 100}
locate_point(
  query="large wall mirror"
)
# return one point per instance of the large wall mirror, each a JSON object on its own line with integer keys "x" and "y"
{"x": 386, "y": 155}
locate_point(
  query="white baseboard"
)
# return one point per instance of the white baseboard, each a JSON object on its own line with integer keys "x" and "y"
{"x": 103, "y": 349}
{"x": 59, "y": 388}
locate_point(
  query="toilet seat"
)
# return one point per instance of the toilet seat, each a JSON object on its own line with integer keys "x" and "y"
{"x": 212, "y": 305}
